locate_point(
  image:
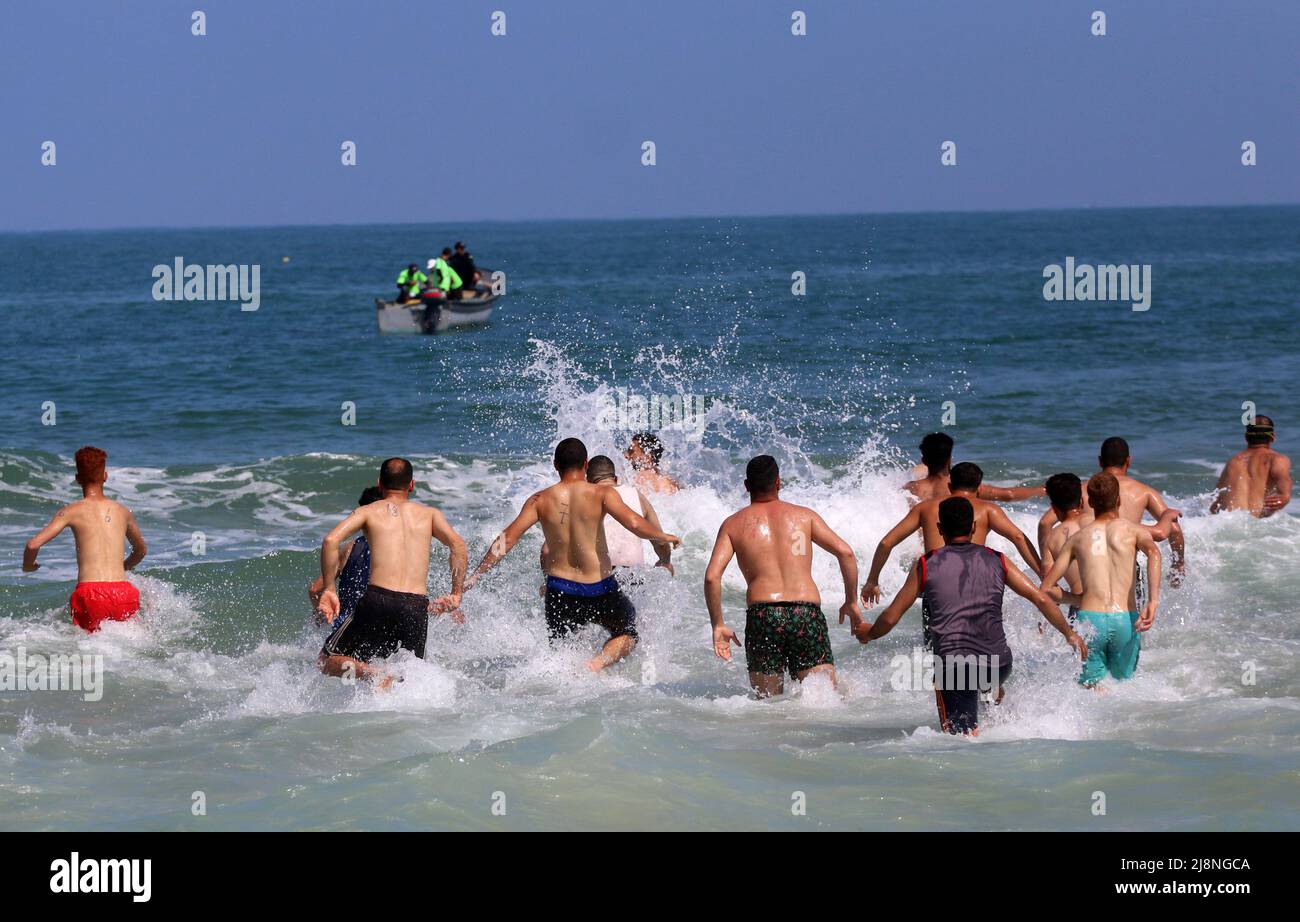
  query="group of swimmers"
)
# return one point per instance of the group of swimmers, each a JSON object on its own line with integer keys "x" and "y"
{"x": 374, "y": 594}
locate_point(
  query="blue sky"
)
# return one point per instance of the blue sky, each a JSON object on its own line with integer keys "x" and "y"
{"x": 157, "y": 127}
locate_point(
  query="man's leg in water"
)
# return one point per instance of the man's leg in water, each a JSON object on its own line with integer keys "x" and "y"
{"x": 766, "y": 684}
{"x": 615, "y": 649}
{"x": 345, "y": 667}
{"x": 827, "y": 669}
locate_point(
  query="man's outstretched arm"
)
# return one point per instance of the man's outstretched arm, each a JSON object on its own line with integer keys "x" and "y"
{"x": 458, "y": 560}
{"x": 328, "y": 604}
{"x": 663, "y": 551}
{"x": 1009, "y": 494}
{"x": 723, "y": 636}
{"x": 907, "y": 595}
{"x": 1001, "y": 523}
{"x": 1022, "y": 587}
{"x": 503, "y": 542}
{"x": 895, "y": 536}
{"x": 828, "y": 541}
{"x": 1280, "y": 481}
{"x": 138, "y": 546}
{"x": 42, "y": 538}
{"x": 637, "y": 524}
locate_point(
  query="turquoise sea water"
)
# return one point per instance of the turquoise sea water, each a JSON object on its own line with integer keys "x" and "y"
{"x": 229, "y": 423}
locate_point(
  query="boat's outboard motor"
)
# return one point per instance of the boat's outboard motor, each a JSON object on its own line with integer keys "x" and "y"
{"x": 432, "y": 301}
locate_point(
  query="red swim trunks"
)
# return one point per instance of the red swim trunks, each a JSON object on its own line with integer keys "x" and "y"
{"x": 94, "y": 603}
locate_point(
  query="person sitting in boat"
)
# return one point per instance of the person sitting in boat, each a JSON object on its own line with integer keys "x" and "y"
{"x": 445, "y": 277}
{"x": 409, "y": 282}
{"x": 463, "y": 263}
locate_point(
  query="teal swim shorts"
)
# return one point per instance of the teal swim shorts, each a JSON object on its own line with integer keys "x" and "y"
{"x": 1114, "y": 647}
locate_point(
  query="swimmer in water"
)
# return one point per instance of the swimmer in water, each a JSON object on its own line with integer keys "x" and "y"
{"x": 1105, "y": 550}
{"x": 1114, "y": 459}
{"x": 965, "y": 480}
{"x": 936, "y": 456}
{"x": 1257, "y": 479}
{"x": 785, "y": 630}
{"x": 644, "y": 454}
{"x": 394, "y": 611}
{"x": 1066, "y": 494}
{"x": 100, "y": 528}
{"x": 961, "y": 585}
{"x": 580, "y": 584}
{"x": 625, "y": 551}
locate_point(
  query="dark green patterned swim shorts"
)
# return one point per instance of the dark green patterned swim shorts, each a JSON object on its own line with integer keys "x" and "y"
{"x": 786, "y": 636}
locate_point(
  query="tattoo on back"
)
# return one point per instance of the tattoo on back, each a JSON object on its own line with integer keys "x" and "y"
{"x": 392, "y": 509}
{"x": 564, "y": 512}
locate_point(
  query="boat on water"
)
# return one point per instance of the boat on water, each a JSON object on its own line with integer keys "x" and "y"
{"x": 434, "y": 312}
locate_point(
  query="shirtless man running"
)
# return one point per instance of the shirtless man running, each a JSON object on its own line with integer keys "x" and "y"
{"x": 100, "y": 527}
{"x": 936, "y": 457}
{"x": 1257, "y": 479}
{"x": 965, "y": 480}
{"x": 784, "y": 626}
{"x": 394, "y": 612}
{"x": 1114, "y": 459}
{"x": 580, "y": 584}
{"x": 1105, "y": 550}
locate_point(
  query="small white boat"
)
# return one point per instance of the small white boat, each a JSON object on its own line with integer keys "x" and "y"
{"x": 433, "y": 315}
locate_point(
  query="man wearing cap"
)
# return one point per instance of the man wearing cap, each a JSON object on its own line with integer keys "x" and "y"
{"x": 409, "y": 282}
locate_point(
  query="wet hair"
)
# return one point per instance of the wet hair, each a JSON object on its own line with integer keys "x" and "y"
{"x": 1103, "y": 493}
{"x": 936, "y": 451}
{"x": 570, "y": 453}
{"x": 600, "y": 468}
{"x": 395, "y": 474}
{"x": 92, "y": 465}
{"x": 1260, "y": 432}
{"x": 650, "y": 444}
{"x": 446, "y": 251}
{"x": 761, "y": 474}
{"x": 1114, "y": 452}
{"x": 370, "y": 495}
{"x": 956, "y": 518}
{"x": 965, "y": 476}
{"x": 1065, "y": 491}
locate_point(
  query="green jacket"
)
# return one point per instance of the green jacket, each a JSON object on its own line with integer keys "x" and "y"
{"x": 448, "y": 280}
{"x": 412, "y": 281}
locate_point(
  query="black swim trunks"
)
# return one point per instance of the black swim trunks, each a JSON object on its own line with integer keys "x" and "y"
{"x": 571, "y": 605}
{"x": 786, "y": 636}
{"x": 382, "y": 622}
{"x": 959, "y": 680}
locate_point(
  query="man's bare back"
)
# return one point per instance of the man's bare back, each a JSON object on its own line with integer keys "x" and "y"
{"x": 1257, "y": 480}
{"x": 1105, "y": 551}
{"x": 773, "y": 543}
{"x": 572, "y": 515}
{"x": 101, "y": 527}
{"x": 1054, "y": 542}
{"x": 399, "y": 532}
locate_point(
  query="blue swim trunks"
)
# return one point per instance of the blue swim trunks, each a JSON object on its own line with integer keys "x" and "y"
{"x": 1114, "y": 648}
